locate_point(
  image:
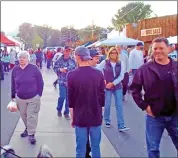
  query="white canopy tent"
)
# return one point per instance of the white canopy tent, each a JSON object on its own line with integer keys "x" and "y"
{"x": 121, "y": 40}
{"x": 172, "y": 40}
{"x": 93, "y": 44}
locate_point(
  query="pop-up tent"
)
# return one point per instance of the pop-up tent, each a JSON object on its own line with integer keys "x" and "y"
{"x": 5, "y": 40}
{"x": 3, "y": 45}
{"x": 121, "y": 40}
{"x": 172, "y": 40}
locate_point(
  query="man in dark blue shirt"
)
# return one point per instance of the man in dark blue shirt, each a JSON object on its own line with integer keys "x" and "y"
{"x": 86, "y": 98}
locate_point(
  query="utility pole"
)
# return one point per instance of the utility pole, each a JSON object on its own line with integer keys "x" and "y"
{"x": 92, "y": 31}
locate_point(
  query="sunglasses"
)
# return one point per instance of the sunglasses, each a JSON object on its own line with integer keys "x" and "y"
{"x": 114, "y": 52}
{"x": 67, "y": 50}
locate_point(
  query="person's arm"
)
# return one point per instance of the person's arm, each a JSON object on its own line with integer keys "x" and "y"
{"x": 136, "y": 89}
{"x": 101, "y": 66}
{"x": 57, "y": 66}
{"x": 121, "y": 76}
{"x": 131, "y": 59}
{"x": 40, "y": 82}
{"x": 127, "y": 63}
{"x": 13, "y": 90}
{"x": 70, "y": 98}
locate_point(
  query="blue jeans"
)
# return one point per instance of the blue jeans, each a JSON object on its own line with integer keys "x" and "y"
{"x": 62, "y": 97}
{"x": 118, "y": 95}
{"x": 81, "y": 141}
{"x": 49, "y": 63}
{"x": 154, "y": 130}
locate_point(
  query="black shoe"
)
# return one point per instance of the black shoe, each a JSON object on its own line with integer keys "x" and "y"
{"x": 67, "y": 116}
{"x": 32, "y": 139}
{"x": 24, "y": 134}
{"x": 59, "y": 114}
{"x": 108, "y": 125}
{"x": 54, "y": 84}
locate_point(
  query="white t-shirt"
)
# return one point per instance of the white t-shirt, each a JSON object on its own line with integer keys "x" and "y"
{"x": 136, "y": 59}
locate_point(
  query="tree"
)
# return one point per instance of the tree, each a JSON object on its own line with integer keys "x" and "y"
{"x": 26, "y": 33}
{"x": 37, "y": 41}
{"x": 54, "y": 40}
{"x": 131, "y": 13}
{"x": 44, "y": 32}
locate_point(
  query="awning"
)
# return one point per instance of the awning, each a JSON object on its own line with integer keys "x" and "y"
{"x": 3, "y": 45}
{"x": 7, "y": 41}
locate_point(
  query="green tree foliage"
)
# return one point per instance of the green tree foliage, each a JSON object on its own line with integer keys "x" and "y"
{"x": 37, "y": 41}
{"x": 131, "y": 13}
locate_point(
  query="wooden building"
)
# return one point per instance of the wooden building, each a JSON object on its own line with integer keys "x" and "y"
{"x": 148, "y": 29}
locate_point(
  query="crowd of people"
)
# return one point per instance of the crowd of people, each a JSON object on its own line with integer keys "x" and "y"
{"x": 87, "y": 78}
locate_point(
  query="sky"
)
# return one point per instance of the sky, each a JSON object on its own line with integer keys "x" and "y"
{"x": 64, "y": 13}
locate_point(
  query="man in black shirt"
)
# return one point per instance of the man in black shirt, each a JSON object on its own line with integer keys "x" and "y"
{"x": 159, "y": 79}
{"x": 86, "y": 98}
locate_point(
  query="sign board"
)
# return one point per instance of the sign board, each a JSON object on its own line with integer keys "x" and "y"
{"x": 151, "y": 31}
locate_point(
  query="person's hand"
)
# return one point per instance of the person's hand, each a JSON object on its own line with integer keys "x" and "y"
{"x": 63, "y": 70}
{"x": 109, "y": 85}
{"x": 72, "y": 124}
{"x": 149, "y": 112}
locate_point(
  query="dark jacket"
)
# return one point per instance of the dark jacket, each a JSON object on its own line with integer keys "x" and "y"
{"x": 147, "y": 76}
{"x": 109, "y": 75}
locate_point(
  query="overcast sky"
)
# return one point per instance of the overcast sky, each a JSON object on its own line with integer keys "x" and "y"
{"x": 62, "y": 13}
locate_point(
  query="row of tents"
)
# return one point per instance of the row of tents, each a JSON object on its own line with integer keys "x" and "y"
{"x": 121, "y": 40}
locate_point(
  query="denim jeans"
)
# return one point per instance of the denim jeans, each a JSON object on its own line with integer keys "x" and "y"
{"x": 118, "y": 95}
{"x": 62, "y": 97}
{"x": 154, "y": 129}
{"x": 6, "y": 67}
{"x": 81, "y": 141}
{"x": 49, "y": 63}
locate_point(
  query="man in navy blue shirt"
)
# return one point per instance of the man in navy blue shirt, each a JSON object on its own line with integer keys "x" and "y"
{"x": 86, "y": 98}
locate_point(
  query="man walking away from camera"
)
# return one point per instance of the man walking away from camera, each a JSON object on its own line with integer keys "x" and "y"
{"x": 86, "y": 98}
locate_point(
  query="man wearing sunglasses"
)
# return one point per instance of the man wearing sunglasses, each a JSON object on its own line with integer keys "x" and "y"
{"x": 62, "y": 66}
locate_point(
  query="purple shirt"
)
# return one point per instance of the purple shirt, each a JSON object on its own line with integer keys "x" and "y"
{"x": 27, "y": 82}
{"x": 86, "y": 96}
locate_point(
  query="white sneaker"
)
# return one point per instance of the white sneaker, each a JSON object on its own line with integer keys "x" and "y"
{"x": 124, "y": 129}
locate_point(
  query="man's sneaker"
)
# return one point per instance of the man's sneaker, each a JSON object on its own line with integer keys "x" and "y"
{"x": 67, "y": 116}
{"x": 59, "y": 114}
{"x": 24, "y": 134}
{"x": 32, "y": 139}
{"x": 124, "y": 129}
{"x": 108, "y": 125}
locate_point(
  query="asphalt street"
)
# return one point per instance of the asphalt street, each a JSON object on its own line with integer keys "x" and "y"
{"x": 8, "y": 120}
{"x": 127, "y": 144}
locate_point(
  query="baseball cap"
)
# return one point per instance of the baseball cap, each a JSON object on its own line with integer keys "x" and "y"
{"x": 94, "y": 52}
{"x": 83, "y": 52}
{"x": 66, "y": 47}
{"x": 139, "y": 44}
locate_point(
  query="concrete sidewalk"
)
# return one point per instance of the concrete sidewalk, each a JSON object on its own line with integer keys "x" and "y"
{"x": 53, "y": 131}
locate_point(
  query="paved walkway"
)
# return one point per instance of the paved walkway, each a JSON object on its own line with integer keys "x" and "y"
{"x": 53, "y": 131}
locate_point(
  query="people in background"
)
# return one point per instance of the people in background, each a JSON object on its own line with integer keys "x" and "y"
{"x": 39, "y": 58}
{"x": 26, "y": 91}
{"x": 159, "y": 80}
{"x": 136, "y": 58}
{"x": 32, "y": 57}
{"x": 173, "y": 53}
{"x": 124, "y": 50}
{"x": 125, "y": 59}
{"x": 103, "y": 53}
{"x": 113, "y": 70}
{"x": 6, "y": 61}
{"x": 95, "y": 57}
{"x": 55, "y": 58}
{"x": 13, "y": 55}
{"x": 86, "y": 102}
{"x": 64, "y": 65}
{"x": 49, "y": 57}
